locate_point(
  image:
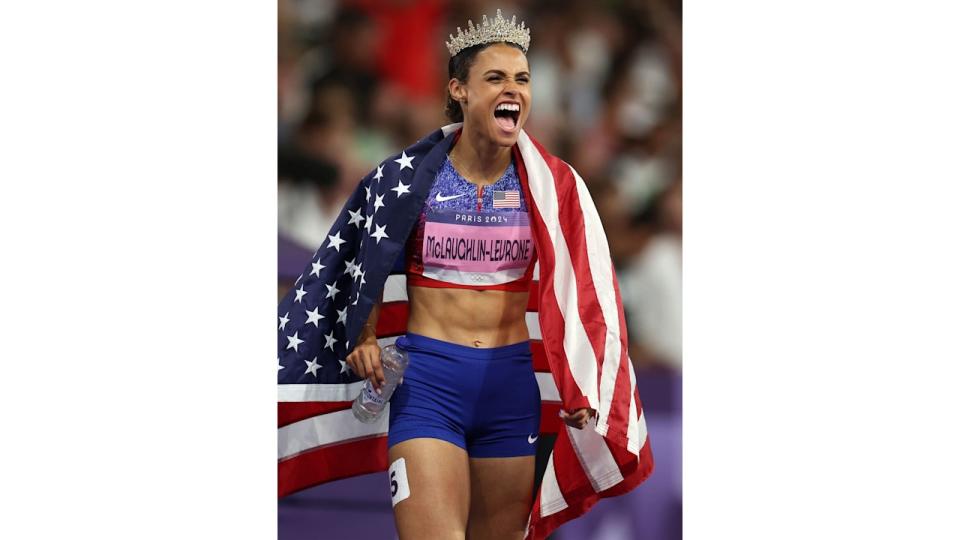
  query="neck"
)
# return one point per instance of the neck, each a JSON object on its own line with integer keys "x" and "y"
{"x": 479, "y": 159}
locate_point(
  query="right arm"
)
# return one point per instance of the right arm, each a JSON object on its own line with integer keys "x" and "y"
{"x": 364, "y": 360}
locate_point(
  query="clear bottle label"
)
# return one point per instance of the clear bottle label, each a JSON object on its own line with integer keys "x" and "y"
{"x": 369, "y": 396}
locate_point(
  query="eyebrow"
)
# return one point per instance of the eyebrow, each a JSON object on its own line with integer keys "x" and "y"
{"x": 499, "y": 72}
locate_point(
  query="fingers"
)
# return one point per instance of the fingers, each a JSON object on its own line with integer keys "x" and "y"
{"x": 368, "y": 368}
{"x": 353, "y": 360}
{"x": 577, "y": 419}
{"x": 372, "y": 368}
{"x": 378, "y": 370}
{"x": 365, "y": 362}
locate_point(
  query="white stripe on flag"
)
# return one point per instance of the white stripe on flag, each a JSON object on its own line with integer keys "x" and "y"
{"x": 595, "y": 458}
{"x": 533, "y": 324}
{"x": 635, "y": 438}
{"x": 576, "y": 344}
{"x": 395, "y": 289}
{"x": 384, "y": 341}
{"x": 641, "y": 433}
{"x": 450, "y": 128}
{"x": 298, "y": 393}
{"x": 598, "y": 253}
{"x": 548, "y": 388}
{"x": 551, "y": 498}
{"x": 327, "y": 429}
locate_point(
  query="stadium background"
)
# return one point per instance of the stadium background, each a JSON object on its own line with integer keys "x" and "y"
{"x": 359, "y": 80}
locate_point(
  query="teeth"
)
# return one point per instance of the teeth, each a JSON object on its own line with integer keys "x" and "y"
{"x": 508, "y": 107}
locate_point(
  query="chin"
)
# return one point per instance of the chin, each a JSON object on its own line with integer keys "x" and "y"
{"x": 507, "y": 140}
{"x": 503, "y": 137}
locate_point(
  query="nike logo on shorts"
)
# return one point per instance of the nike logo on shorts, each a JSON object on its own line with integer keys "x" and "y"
{"x": 531, "y": 439}
{"x": 442, "y": 198}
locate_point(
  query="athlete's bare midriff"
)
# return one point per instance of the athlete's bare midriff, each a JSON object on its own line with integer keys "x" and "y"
{"x": 475, "y": 318}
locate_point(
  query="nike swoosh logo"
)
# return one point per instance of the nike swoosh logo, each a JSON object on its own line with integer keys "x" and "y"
{"x": 442, "y": 198}
{"x": 531, "y": 439}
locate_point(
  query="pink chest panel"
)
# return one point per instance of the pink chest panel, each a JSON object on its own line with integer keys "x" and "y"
{"x": 476, "y": 248}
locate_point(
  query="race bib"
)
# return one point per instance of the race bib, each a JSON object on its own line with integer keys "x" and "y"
{"x": 476, "y": 248}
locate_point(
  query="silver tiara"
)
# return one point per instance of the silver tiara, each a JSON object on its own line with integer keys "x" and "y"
{"x": 500, "y": 30}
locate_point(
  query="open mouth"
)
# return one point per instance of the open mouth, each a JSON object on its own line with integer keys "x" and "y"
{"x": 507, "y": 115}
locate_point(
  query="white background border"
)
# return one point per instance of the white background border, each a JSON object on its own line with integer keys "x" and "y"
{"x": 821, "y": 270}
{"x": 139, "y": 216}
{"x": 138, "y": 162}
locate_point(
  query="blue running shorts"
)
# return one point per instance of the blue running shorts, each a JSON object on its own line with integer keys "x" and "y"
{"x": 485, "y": 401}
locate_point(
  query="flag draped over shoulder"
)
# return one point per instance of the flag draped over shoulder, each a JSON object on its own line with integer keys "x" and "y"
{"x": 575, "y": 318}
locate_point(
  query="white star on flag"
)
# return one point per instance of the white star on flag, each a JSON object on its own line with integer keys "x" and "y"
{"x": 330, "y": 340}
{"x": 405, "y": 161}
{"x": 378, "y": 203}
{"x": 312, "y": 366}
{"x": 314, "y": 317}
{"x": 356, "y": 271}
{"x": 355, "y": 217}
{"x": 368, "y": 192}
{"x": 350, "y": 267}
{"x": 367, "y": 225}
{"x": 300, "y": 293}
{"x": 381, "y": 232}
{"x": 280, "y": 366}
{"x": 316, "y": 268}
{"x": 332, "y": 290}
{"x": 283, "y": 321}
{"x": 335, "y": 241}
{"x": 379, "y": 174}
{"x": 294, "y": 341}
{"x": 343, "y": 366}
{"x": 342, "y": 316}
{"x": 401, "y": 188}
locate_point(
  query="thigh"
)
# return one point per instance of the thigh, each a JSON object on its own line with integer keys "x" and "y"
{"x": 437, "y": 480}
{"x": 501, "y": 494}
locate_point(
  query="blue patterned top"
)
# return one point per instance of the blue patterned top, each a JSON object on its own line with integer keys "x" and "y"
{"x": 477, "y": 236}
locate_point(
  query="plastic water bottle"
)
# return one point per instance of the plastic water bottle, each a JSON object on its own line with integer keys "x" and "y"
{"x": 369, "y": 404}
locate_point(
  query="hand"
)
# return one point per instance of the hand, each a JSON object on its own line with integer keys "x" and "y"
{"x": 364, "y": 360}
{"x": 578, "y": 418}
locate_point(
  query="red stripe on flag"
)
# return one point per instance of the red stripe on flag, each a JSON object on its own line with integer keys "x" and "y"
{"x": 533, "y": 301}
{"x": 289, "y": 412}
{"x": 574, "y": 485}
{"x": 549, "y": 310}
{"x": 632, "y": 469}
{"x": 577, "y": 489}
{"x": 550, "y": 418}
{"x": 392, "y": 320}
{"x": 330, "y": 463}
{"x": 574, "y": 233}
{"x": 618, "y": 421}
{"x": 540, "y": 362}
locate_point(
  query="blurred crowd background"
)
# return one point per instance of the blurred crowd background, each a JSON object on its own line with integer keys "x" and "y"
{"x": 361, "y": 79}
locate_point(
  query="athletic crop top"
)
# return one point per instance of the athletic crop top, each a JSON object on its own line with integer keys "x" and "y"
{"x": 472, "y": 237}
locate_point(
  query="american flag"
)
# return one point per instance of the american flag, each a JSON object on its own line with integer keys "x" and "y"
{"x": 506, "y": 199}
{"x": 574, "y": 315}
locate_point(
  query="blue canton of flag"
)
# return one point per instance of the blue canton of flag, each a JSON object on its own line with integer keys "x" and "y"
{"x": 322, "y": 316}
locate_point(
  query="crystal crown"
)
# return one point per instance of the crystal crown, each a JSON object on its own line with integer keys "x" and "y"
{"x": 500, "y": 30}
